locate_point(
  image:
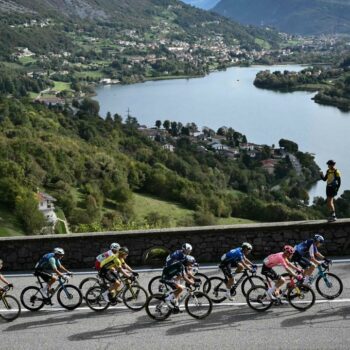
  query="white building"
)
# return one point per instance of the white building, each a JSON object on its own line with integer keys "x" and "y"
{"x": 47, "y": 207}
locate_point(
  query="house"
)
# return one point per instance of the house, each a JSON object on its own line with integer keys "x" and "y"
{"x": 47, "y": 207}
{"x": 168, "y": 147}
{"x": 269, "y": 165}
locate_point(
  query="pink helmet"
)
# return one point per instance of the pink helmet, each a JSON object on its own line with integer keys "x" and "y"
{"x": 288, "y": 249}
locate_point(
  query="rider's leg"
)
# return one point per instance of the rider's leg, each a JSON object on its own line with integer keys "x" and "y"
{"x": 240, "y": 268}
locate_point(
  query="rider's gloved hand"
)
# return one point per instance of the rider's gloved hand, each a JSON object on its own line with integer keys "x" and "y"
{"x": 197, "y": 284}
{"x": 136, "y": 274}
{"x": 132, "y": 278}
{"x": 299, "y": 278}
{"x": 70, "y": 274}
{"x": 328, "y": 261}
{"x": 10, "y": 285}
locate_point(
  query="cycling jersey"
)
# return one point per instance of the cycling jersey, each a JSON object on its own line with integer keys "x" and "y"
{"x": 171, "y": 271}
{"x": 177, "y": 256}
{"x": 232, "y": 257}
{"x": 112, "y": 262}
{"x": 333, "y": 178}
{"x": 48, "y": 262}
{"x": 306, "y": 248}
{"x": 102, "y": 257}
{"x": 275, "y": 260}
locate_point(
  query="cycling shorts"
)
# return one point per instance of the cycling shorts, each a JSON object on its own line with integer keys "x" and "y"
{"x": 226, "y": 269}
{"x": 301, "y": 260}
{"x": 110, "y": 275}
{"x": 270, "y": 273}
{"x": 46, "y": 276}
{"x": 331, "y": 191}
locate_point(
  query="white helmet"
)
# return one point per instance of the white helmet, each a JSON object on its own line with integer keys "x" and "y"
{"x": 58, "y": 251}
{"x": 190, "y": 260}
{"x": 187, "y": 248}
{"x": 115, "y": 246}
{"x": 247, "y": 245}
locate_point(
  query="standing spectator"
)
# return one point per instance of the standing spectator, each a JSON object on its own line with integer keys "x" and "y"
{"x": 333, "y": 183}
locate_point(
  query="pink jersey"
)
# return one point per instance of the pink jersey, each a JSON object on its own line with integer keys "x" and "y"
{"x": 275, "y": 260}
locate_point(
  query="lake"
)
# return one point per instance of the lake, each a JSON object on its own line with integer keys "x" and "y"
{"x": 229, "y": 98}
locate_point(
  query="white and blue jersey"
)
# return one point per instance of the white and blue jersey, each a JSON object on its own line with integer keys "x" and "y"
{"x": 232, "y": 257}
{"x": 48, "y": 262}
{"x": 177, "y": 256}
{"x": 306, "y": 248}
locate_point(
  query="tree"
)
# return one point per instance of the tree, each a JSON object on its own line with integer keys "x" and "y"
{"x": 28, "y": 213}
{"x": 288, "y": 145}
{"x": 166, "y": 124}
{"x": 90, "y": 106}
{"x": 158, "y": 124}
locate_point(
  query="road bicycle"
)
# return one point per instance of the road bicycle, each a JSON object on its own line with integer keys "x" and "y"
{"x": 156, "y": 286}
{"x": 327, "y": 284}
{"x": 10, "y": 308}
{"x": 216, "y": 287}
{"x": 300, "y": 296}
{"x": 68, "y": 295}
{"x": 133, "y": 295}
{"x": 197, "y": 304}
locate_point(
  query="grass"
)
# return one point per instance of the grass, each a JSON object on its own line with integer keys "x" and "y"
{"x": 9, "y": 224}
{"x": 144, "y": 205}
{"x": 27, "y": 60}
{"x": 61, "y": 86}
{"x": 262, "y": 43}
{"x": 90, "y": 74}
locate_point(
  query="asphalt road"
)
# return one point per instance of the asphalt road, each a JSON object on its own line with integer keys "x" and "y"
{"x": 231, "y": 325}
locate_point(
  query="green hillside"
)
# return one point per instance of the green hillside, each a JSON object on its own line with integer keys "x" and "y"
{"x": 291, "y": 16}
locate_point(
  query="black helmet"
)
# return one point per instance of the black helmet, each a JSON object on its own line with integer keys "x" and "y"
{"x": 124, "y": 250}
{"x": 331, "y": 162}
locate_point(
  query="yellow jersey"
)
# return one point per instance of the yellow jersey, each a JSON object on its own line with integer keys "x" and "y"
{"x": 112, "y": 262}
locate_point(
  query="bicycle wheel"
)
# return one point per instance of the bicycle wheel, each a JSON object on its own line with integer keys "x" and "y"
{"x": 135, "y": 297}
{"x": 155, "y": 286}
{"x": 88, "y": 283}
{"x": 157, "y": 308}
{"x": 301, "y": 297}
{"x": 251, "y": 282}
{"x": 32, "y": 299}
{"x": 329, "y": 285}
{"x": 198, "y": 305}
{"x": 95, "y": 300}
{"x": 257, "y": 299}
{"x": 10, "y": 308}
{"x": 69, "y": 296}
{"x": 204, "y": 279}
{"x": 217, "y": 289}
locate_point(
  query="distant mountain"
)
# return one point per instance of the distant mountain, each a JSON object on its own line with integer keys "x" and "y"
{"x": 291, "y": 16}
{"x": 203, "y": 4}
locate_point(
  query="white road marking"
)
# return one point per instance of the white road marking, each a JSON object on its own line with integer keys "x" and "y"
{"x": 54, "y": 309}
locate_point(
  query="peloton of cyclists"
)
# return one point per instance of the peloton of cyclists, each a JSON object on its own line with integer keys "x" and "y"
{"x": 306, "y": 253}
{"x": 279, "y": 259}
{"x": 50, "y": 268}
{"x": 235, "y": 258}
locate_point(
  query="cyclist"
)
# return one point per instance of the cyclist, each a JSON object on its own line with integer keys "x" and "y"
{"x": 2, "y": 278}
{"x": 305, "y": 255}
{"x": 333, "y": 183}
{"x": 172, "y": 275}
{"x": 235, "y": 258}
{"x": 48, "y": 263}
{"x": 114, "y": 248}
{"x": 179, "y": 255}
{"x": 111, "y": 267}
{"x": 279, "y": 259}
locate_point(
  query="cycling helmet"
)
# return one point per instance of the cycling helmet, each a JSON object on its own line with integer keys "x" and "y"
{"x": 58, "y": 251}
{"x": 115, "y": 246}
{"x": 190, "y": 260}
{"x": 288, "y": 249}
{"x": 247, "y": 245}
{"x": 124, "y": 250}
{"x": 331, "y": 162}
{"x": 318, "y": 238}
{"x": 187, "y": 248}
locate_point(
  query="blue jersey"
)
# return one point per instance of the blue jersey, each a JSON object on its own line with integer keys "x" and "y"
{"x": 306, "y": 248}
{"x": 48, "y": 262}
{"x": 233, "y": 256}
{"x": 177, "y": 256}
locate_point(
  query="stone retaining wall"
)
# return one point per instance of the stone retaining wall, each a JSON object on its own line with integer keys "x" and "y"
{"x": 21, "y": 253}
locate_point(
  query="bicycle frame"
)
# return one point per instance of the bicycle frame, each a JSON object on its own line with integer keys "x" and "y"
{"x": 3, "y": 292}
{"x": 245, "y": 274}
{"x": 52, "y": 292}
